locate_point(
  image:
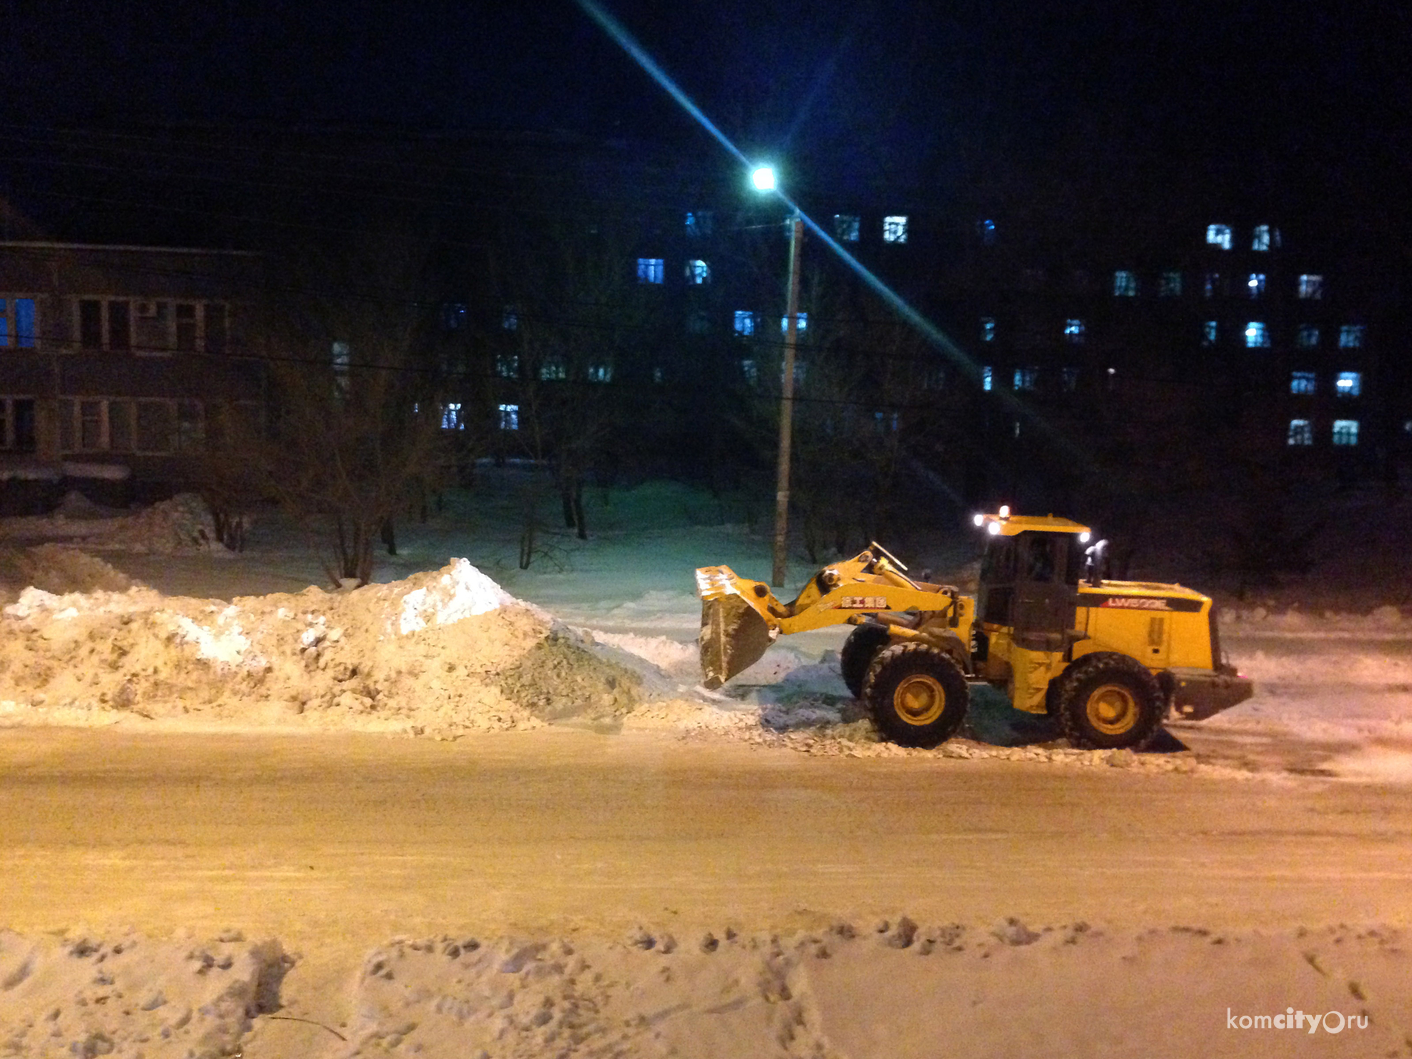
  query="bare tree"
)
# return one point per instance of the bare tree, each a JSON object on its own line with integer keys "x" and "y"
{"x": 357, "y": 434}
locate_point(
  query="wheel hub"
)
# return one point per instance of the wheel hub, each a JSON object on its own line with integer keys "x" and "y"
{"x": 919, "y": 699}
{"x": 1112, "y": 709}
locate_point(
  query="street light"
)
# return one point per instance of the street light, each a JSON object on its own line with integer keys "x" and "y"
{"x": 764, "y": 180}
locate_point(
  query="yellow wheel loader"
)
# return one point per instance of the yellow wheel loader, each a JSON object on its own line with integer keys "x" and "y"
{"x": 1109, "y": 660}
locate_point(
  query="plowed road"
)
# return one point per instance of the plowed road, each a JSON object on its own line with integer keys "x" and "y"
{"x": 317, "y": 838}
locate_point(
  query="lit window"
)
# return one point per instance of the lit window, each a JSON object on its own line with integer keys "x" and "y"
{"x": 1219, "y": 235}
{"x": 1307, "y": 337}
{"x": 1213, "y": 284}
{"x": 698, "y": 272}
{"x": 1169, "y": 285}
{"x": 799, "y": 370}
{"x": 451, "y": 417}
{"x": 987, "y": 378}
{"x": 744, "y": 322}
{"x": 1074, "y": 331}
{"x": 887, "y": 420}
{"x": 987, "y": 329}
{"x": 1301, "y": 382}
{"x": 509, "y": 417}
{"x": 657, "y": 374}
{"x": 651, "y": 270}
{"x": 699, "y": 223}
{"x": 749, "y": 372}
{"x": 1257, "y": 335}
{"x": 1125, "y": 284}
{"x": 895, "y": 229}
{"x": 800, "y": 326}
{"x": 600, "y": 373}
{"x": 986, "y": 230}
{"x": 553, "y": 370}
{"x": 1301, "y": 432}
{"x": 1208, "y": 333}
{"x": 1350, "y": 336}
{"x": 1345, "y": 432}
{"x": 510, "y": 319}
{"x": 1311, "y": 287}
{"x": 507, "y": 366}
{"x": 342, "y": 355}
{"x": 453, "y": 316}
{"x": 1255, "y": 285}
{"x": 1349, "y": 383}
{"x": 26, "y": 331}
{"x": 1265, "y": 238}
{"x": 1026, "y": 378}
{"x": 845, "y": 227}
{"x": 1069, "y": 377}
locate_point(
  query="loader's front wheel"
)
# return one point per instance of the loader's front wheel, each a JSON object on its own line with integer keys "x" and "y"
{"x": 1109, "y": 701}
{"x": 917, "y": 695}
{"x": 859, "y": 649}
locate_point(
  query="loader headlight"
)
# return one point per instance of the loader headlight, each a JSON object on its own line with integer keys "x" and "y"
{"x": 1084, "y": 536}
{"x": 1004, "y": 510}
{"x": 994, "y": 529}
{"x": 978, "y": 519}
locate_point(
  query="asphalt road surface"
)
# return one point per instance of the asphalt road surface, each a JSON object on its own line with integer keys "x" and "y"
{"x": 354, "y": 838}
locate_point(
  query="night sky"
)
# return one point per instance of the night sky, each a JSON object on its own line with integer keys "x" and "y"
{"x": 893, "y": 92}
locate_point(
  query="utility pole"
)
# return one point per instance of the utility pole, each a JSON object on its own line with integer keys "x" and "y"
{"x": 791, "y": 337}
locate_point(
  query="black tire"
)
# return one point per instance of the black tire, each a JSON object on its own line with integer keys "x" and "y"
{"x": 857, "y": 655}
{"x": 917, "y": 694}
{"x": 1109, "y": 701}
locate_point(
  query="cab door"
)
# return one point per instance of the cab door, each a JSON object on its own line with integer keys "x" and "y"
{"x": 1045, "y": 591}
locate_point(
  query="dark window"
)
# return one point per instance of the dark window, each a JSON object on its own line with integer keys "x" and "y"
{"x": 186, "y": 327}
{"x": 90, "y": 425}
{"x": 90, "y": 324}
{"x": 1039, "y": 557}
{"x": 120, "y": 426}
{"x": 119, "y": 325}
{"x": 190, "y": 433}
{"x": 215, "y": 328}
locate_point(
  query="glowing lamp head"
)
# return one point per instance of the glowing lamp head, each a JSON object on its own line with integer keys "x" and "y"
{"x": 993, "y": 529}
{"x": 763, "y": 178}
{"x": 1004, "y": 510}
{"x": 978, "y": 519}
{"x": 1084, "y": 536}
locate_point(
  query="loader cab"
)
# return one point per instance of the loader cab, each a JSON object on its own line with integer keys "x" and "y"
{"x": 1029, "y": 581}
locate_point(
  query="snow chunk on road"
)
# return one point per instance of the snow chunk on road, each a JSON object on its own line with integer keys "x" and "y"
{"x": 462, "y": 592}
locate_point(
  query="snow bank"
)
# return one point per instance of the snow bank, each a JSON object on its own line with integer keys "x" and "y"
{"x": 83, "y": 995}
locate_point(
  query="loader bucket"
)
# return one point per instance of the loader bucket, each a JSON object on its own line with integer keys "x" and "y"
{"x": 733, "y": 637}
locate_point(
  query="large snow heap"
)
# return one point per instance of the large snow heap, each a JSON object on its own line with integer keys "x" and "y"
{"x": 437, "y": 653}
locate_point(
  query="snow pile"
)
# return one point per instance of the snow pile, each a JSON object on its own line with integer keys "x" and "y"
{"x": 132, "y": 995}
{"x": 461, "y": 592}
{"x": 440, "y": 653}
{"x": 181, "y": 524}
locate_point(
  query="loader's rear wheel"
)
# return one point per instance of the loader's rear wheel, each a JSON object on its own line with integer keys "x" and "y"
{"x": 1110, "y": 701}
{"x": 916, "y": 694}
{"x": 862, "y": 645}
